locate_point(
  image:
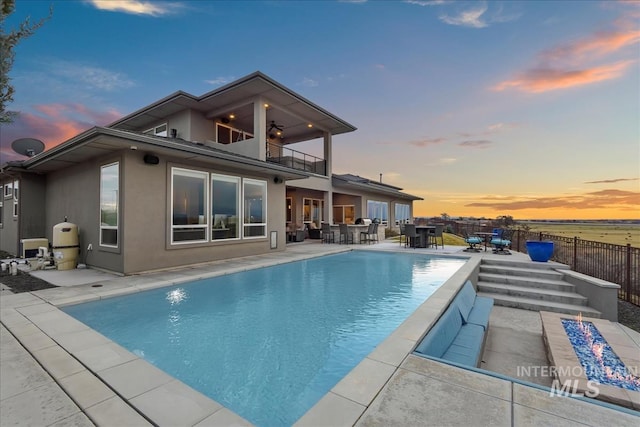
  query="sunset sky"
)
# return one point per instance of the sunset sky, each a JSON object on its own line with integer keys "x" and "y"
{"x": 529, "y": 109}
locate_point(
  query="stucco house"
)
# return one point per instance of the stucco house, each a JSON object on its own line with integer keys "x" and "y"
{"x": 190, "y": 179}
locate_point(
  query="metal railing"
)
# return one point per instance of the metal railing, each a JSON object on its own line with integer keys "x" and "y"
{"x": 619, "y": 264}
{"x": 295, "y": 159}
{"x": 614, "y": 263}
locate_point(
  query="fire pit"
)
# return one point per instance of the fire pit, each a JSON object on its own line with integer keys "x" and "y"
{"x": 592, "y": 358}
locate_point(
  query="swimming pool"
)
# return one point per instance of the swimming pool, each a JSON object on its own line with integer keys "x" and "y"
{"x": 269, "y": 343}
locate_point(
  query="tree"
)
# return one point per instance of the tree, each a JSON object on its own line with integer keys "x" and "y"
{"x": 445, "y": 216}
{"x": 8, "y": 42}
{"x": 505, "y": 221}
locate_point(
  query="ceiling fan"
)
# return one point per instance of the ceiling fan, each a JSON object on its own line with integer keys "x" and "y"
{"x": 275, "y": 130}
{"x": 273, "y": 126}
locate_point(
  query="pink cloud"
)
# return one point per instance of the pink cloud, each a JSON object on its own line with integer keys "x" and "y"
{"x": 578, "y": 63}
{"x": 52, "y": 124}
{"x": 546, "y": 79}
{"x": 605, "y": 199}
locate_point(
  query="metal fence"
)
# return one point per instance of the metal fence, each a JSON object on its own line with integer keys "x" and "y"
{"x": 614, "y": 263}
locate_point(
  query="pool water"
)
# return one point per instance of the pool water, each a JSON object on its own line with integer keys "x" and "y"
{"x": 269, "y": 343}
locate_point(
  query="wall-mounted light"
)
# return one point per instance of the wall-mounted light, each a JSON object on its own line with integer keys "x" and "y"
{"x": 150, "y": 159}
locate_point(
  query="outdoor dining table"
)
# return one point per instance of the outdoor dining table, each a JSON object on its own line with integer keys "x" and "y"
{"x": 486, "y": 236}
{"x": 423, "y": 235}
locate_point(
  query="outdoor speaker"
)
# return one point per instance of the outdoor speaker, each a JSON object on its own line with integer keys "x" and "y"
{"x": 278, "y": 180}
{"x": 150, "y": 159}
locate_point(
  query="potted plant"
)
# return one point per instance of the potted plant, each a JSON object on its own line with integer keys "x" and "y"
{"x": 540, "y": 250}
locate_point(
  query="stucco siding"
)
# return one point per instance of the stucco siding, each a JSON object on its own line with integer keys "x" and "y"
{"x": 74, "y": 193}
{"x": 146, "y": 223}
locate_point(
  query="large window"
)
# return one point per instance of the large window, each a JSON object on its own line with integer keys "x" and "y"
{"x": 344, "y": 214}
{"x": 109, "y": 206}
{"x": 378, "y": 210}
{"x": 8, "y": 190}
{"x": 225, "y": 206}
{"x": 189, "y": 205}
{"x": 402, "y": 213}
{"x": 255, "y": 208}
{"x": 312, "y": 211}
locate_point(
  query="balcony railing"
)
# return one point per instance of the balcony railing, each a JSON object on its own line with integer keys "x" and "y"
{"x": 295, "y": 159}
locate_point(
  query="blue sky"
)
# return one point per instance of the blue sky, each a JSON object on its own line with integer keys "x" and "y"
{"x": 529, "y": 109}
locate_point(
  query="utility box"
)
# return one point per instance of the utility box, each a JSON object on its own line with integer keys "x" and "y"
{"x": 30, "y": 247}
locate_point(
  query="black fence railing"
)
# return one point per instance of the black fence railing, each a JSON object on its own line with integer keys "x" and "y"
{"x": 619, "y": 264}
{"x": 295, "y": 159}
{"x": 614, "y": 263}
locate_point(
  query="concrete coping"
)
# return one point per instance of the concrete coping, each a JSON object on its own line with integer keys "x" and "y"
{"x": 588, "y": 279}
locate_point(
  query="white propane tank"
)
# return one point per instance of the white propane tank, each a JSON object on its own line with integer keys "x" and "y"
{"x": 65, "y": 246}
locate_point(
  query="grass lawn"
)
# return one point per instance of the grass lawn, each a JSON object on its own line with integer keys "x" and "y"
{"x": 617, "y": 234}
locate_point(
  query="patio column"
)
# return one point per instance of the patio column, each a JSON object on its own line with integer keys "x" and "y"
{"x": 260, "y": 127}
{"x": 328, "y": 205}
{"x": 327, "y": 153}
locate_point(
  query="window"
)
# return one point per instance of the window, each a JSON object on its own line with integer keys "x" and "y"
{"x": 8, "y": 190}
{"x": 1, "y": 214}
{"x": 255, "y": 208}
{"x": 109, "y": 204}
{"x": 380, "y": 210}
{"x": 158, "y": 130}
{"x": 225, "y": 206}
{"x": 228, "y": 135}
{"x": 15, "y": 198}
{"x": 189, "y": 206}
{"x": 344, "y": 214}
{"x": 402, "y": 213}
{"x": 289, "y": 208}
{"x": 312, "y": 211}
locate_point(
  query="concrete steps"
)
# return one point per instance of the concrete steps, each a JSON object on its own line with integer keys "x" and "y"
{"x": 531, "y": 286}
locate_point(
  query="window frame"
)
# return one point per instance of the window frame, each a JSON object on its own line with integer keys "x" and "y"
{"x": 395, "y": 213}
{"x": 154, "y": 130}
{"x": 245, "y": 224}
{"x": 117, "y": 216}
{"x": 8, "y": 190}
{"x": 382, "y": 204}
{"x": 205, "y": 225}
{"x": 226, "y": 178}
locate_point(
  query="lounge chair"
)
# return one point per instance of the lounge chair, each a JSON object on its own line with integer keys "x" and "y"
{"x": 473, "y": 241}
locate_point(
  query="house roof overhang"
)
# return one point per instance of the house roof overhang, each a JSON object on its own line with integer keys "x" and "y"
{"x": 363, "y": 184}
{"x": 99, "y": 141}
{"x": 288, "y": 109}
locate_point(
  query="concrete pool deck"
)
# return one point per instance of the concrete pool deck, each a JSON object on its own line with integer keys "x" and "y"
{"x": 57, "y": 371}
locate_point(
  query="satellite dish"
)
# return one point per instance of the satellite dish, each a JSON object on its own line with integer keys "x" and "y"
{"x": 28, "y": 146}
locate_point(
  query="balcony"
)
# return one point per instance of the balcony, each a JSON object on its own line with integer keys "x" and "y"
{"x": 295, "y": 159}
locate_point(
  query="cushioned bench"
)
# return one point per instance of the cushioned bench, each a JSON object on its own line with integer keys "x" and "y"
{"x": 459, "y": 334}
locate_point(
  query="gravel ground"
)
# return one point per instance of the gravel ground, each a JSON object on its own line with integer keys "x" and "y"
{"x": 628, "y": 314}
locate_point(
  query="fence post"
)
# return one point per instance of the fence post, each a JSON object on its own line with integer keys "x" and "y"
{"x": 575, "y": 253}
{"x": 627, "y": 287}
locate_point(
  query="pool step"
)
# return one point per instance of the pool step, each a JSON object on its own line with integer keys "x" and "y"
{"x": 539, "y": 305}
{"x": 528, "y": 292}
{"x": 531, "y": 286}
{"x": 551, "y": 284}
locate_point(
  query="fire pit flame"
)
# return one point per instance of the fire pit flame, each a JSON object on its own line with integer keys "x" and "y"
{"x": 598, "y": 358}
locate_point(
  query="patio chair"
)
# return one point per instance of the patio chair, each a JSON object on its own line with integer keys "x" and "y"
{"x": 411, "y": 235}
{"x": 501, "y": 241}
{"x": 328, "y": 236}
{"x": 473, "y": 241}
{"x": 436, "y": 234}
{"x": 401, "y": 233}
{"x": 346, "y": 236}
